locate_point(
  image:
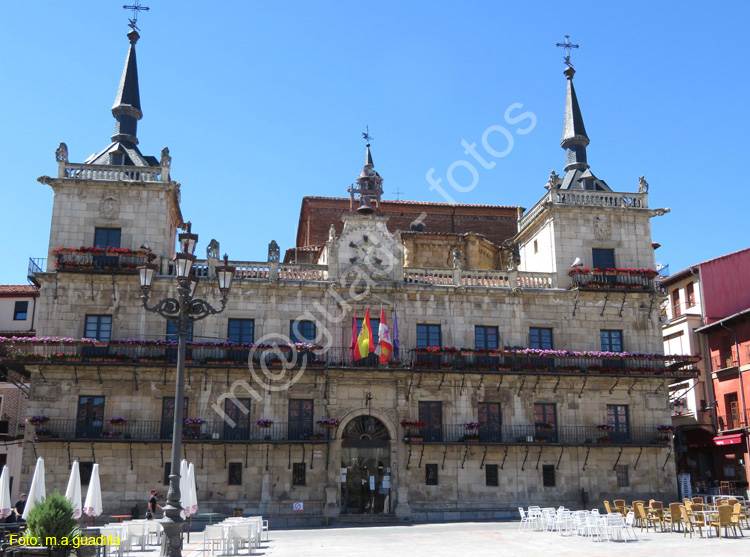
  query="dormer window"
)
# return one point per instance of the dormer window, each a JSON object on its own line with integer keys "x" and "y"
{"x": 117, "y": 158}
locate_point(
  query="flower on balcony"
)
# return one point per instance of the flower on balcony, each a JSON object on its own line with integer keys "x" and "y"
{"x": 604, "y": 427}
{"x": 543, "y": 425}
{"x": 471, "y": 425}
{"x": 37, "y": 420}
{"x": 61, "y": 356}
{"x": 450, "y": 350}
{"x": 424, "y": 365}
{"x": 117, "y": 420}
{"x": 264, "y": 422}
{"x": 328, "y": 422}
{"x": 665, "y": 428}
{"x": 413, "y": 423}
{"x": 426, "y": 349}
{"x": 578, "y": 271}
{"x": 193, "y": 421}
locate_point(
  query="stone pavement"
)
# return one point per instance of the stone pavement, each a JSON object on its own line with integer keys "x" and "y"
{"x": 472, "y": 539}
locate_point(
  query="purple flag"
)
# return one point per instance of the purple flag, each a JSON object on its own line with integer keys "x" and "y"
{"x": 395, "y": 335}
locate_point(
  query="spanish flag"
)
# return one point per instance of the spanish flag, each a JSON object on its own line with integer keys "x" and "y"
{"x": 364, "y": 340}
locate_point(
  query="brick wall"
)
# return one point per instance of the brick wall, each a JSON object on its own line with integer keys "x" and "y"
{"x": 495, "y": 222}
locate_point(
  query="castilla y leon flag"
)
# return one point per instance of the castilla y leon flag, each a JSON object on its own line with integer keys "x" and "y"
{"x": 384, "y": 347}
{"x": 364, "y": 340}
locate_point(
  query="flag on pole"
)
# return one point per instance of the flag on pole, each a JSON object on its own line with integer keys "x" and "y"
{"x": 354, "y": 337}
{"x": 364, "y": 340}
{"x": 395, "y": 335}
{"x": 384, "y": 346}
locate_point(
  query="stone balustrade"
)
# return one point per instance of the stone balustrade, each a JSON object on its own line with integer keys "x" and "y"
{"x": 110, "y": 173}
{"x": 584, "y": 198}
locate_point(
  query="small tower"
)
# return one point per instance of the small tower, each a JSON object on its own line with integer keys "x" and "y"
{"x": 580, "y": 220}
{"x": 117, "y": 197}
{"x": 369, "y": 187}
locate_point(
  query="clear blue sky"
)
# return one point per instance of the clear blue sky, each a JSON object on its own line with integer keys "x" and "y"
{"x": 262, "y": 103}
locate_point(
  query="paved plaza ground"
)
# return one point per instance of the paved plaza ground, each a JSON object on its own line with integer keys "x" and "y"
{"x": 473, "y": 539}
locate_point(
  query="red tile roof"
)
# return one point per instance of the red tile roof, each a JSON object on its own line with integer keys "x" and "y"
{"x": 8, "y": 290}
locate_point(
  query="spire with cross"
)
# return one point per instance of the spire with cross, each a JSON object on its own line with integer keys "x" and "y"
{"x": 136, "y": 8}
{"x": 567, "y": 45}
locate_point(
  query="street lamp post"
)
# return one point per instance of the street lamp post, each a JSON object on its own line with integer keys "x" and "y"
{"x": 182, "y": 312}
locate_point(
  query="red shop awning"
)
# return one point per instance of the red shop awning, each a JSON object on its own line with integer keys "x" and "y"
{"x": 728, "y": 439}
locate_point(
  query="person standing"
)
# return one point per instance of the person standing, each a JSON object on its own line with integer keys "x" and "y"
{"x": 152, "y": 505}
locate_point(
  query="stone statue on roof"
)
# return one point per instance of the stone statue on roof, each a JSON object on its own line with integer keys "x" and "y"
{"x": 642, "y": 185}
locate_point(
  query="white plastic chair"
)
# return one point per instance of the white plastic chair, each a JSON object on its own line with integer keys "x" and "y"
{"x": 242, "y": 534}
{"x": 524, "y": 518}
{"x": 136, "y": 532}
{"x": 629, "y": 521}
{"x": 212, "y": 535}
{"x": 264, "y": 528}
{"x": 615, "y": 524}
{"x": 153, "y": 528}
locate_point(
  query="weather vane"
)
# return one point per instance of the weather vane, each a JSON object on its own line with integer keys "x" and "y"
{"x": 567, "y": 45}
{"x": 366, "y": 135}
{"x": 136, "y": 7}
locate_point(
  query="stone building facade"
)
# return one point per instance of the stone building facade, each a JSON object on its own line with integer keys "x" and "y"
{"x": 559, "y": 368}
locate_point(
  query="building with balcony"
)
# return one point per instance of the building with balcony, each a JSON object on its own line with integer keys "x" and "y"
{"x": 698, "y": 297}
{"x": 17, "y": 317}
{"x": 527, "y": 366}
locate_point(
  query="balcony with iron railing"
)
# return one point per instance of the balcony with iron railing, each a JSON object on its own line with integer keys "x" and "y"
{"x": 625, "y": 280}
{"x": 117, "y": 260}
{"x": 736, "y": 418}
{"x": 60, "y": 429}
{"x": 525, "y": 434}
{"x": 224, "y": 354}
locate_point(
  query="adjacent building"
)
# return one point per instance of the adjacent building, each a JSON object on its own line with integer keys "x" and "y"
{"x": 18, "y": 304}
{"x": 528, "y": 361}
{"x": 700, "y": 299}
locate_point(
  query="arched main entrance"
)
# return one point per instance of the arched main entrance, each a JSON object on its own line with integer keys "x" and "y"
{"x": 365, "y": 467}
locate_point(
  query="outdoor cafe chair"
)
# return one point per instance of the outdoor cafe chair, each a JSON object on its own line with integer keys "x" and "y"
{"x": 619, "y": 506}
{"x": 136, "y": 532}
{"x": 213, "y": 535}
{"x": 242, "y": 535}
{"x": 264, "y": 528}
{"x": 629, "y": 521}
{"x": 740, "y": 515}
{"x": 724, "y": 521}
{"x": 607, "y": 507}
{"x": 736, "y": 518}
{"x": 675, "y": 516}
{"x": 691, "y": 521}
{"x": 698, "y": 500}
{"x": 645, "y": 519}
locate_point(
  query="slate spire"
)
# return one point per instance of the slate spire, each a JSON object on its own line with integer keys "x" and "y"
{"x": 127, "y": 107}
{"x": 574, "y": 139}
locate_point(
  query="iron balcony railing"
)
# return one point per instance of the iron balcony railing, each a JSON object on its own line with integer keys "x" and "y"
{"x": 618, "y": 281}
{"x": 161, "y": 430}
{"x": 560, "y": 435}
{"x": 737, "y": 418}
{"x": 208, "y": 354}
{"x": 87, "y": 261}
